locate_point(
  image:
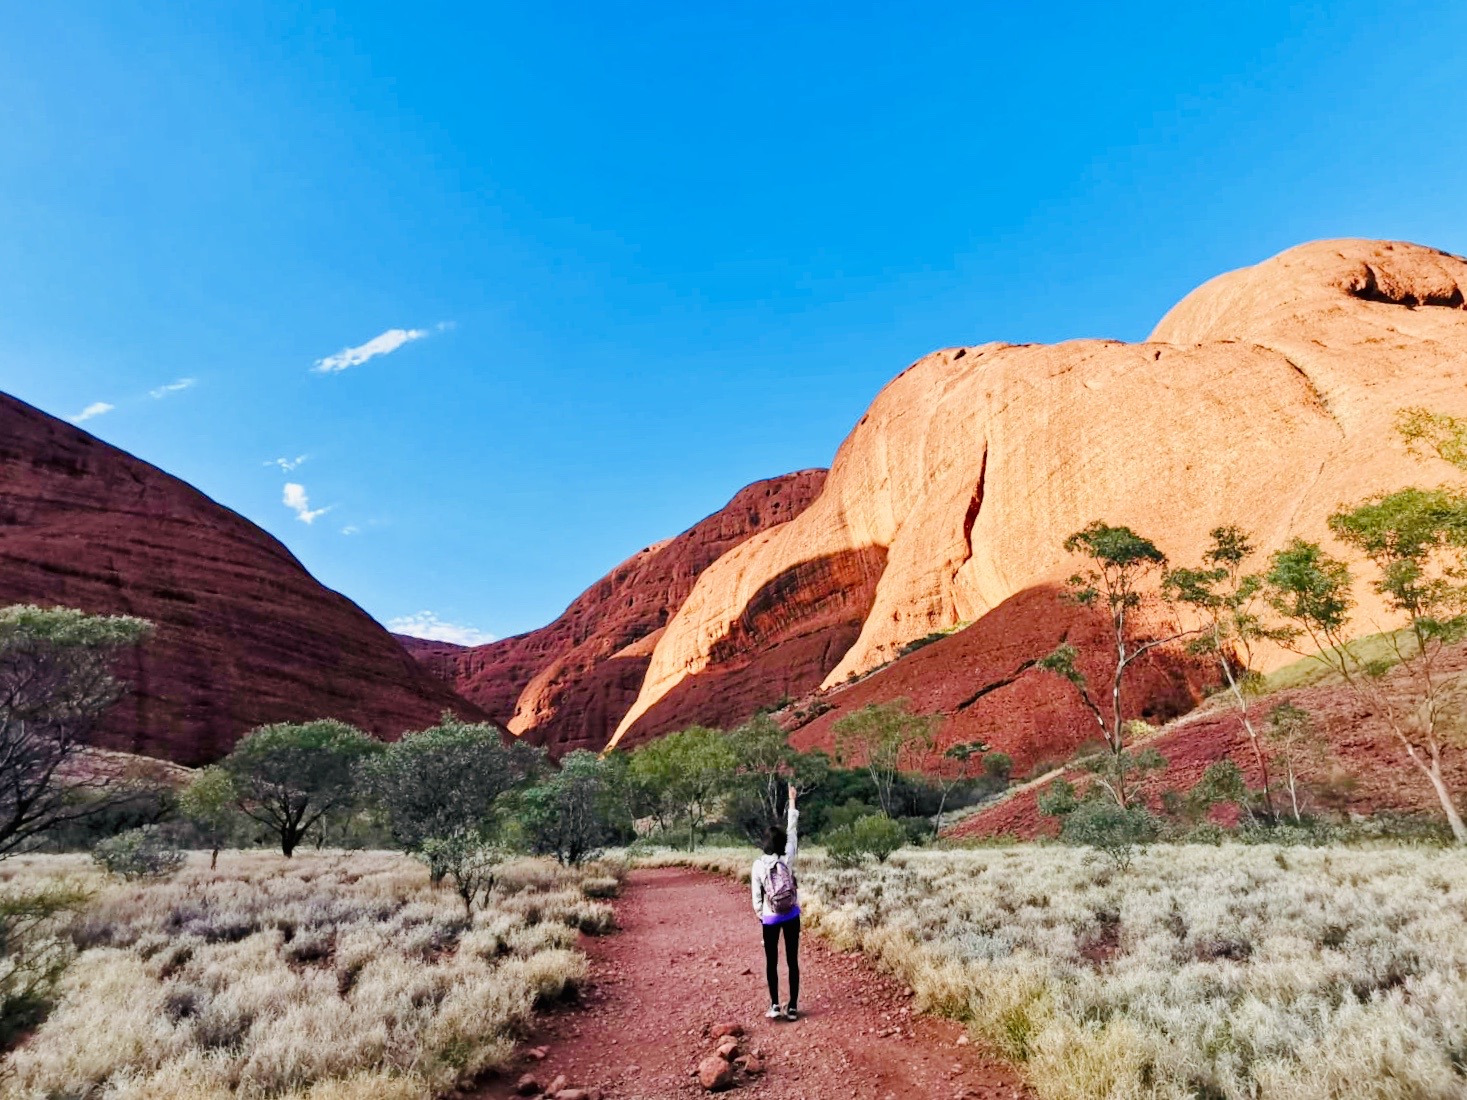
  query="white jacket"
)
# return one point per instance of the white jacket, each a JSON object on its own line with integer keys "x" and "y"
{"x": 759, "y": 873}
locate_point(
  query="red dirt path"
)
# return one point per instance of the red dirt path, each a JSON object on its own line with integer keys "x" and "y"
{"x": 688, "y": 957}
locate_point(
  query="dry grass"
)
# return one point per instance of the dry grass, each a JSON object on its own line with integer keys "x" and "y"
{"x": 332, "y": 976}
{"x": 1203, "y": 972}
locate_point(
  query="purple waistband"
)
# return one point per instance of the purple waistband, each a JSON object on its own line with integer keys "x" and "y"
{"x": 780, "y": 918}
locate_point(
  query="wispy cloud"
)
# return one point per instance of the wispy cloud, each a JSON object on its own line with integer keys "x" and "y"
{"x": 171, "y": 387}
{"x": 426, "y": 624}
{"x": 385, "y": 344}
{"x": 287, "y": 464}
{"x": 296, "y": 500}
{"x": 96, "y": 408}
{"x": 351, "y": 529}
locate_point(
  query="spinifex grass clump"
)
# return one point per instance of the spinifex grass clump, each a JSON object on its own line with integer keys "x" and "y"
{"x": 326, "y": 976}
{"x": 1233, "y": 971}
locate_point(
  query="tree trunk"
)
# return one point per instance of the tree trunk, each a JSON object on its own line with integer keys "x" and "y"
{"x": 214, "y": 860}
{"x": 1454, "y": 819}
{"x": 1237, "y": 690}
{"x": 1294, "y": 795}
{"x": 289, "y": 838}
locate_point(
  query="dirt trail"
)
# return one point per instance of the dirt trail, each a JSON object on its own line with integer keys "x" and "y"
{"x": 688, "y": 957}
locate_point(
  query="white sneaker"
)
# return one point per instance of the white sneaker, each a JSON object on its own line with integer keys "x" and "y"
{"x": 774, "y": 1013}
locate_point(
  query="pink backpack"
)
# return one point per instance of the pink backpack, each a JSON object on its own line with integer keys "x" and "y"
{"x": 781, "y": 890}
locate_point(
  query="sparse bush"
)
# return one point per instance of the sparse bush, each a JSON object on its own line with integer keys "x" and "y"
{"x": 922, "y": 642}
{"x": 140, "y": 853}
{"x": 1058, "y": 799}
{"x": 998, "y": 768}
{"x": 1113, "y": 830}
{"x": 468, "y": 859}
{"x": 34, "y": 953}
{"x": 873, "y": 835}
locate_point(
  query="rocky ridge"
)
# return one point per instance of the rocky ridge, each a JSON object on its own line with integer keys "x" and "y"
{"x": 245, "y": 635}
{"x": 568, "y": 684}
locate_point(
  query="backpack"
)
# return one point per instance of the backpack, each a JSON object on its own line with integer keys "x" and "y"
{"x": 781, "y": 891}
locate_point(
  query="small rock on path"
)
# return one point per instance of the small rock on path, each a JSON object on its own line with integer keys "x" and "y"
{"x": 688, "y": 958}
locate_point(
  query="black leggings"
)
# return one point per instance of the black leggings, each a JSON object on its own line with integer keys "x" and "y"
{"x": 791, "y": 930}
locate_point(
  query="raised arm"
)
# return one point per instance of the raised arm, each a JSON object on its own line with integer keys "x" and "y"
{"x": 791, "y": 826}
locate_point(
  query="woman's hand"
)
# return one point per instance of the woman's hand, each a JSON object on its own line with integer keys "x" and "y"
{"x": 792, "y": 794}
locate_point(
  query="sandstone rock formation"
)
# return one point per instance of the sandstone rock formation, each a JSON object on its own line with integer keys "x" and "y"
{"x": 568, "y": 684}
{"x": 244, "y": 634}
{"x": 1265, "y": 398}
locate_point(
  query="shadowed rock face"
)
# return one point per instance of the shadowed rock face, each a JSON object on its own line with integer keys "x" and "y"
{"x": 568, "y": 684}
{"x": 790, "y": 634}
{"x": 244, "y": 634}
{"x": 1265, "y": 398}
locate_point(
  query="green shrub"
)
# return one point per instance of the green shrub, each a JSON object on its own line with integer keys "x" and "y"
{"x": 1208, "y": 832}
{"x": 1058, "y": 799}
{"x": 998, "y": 768}
{"x": 922, "y": 642}
{"x": 874, "y": 835}
{"x": 1114, "y": 830}
{"x": 139, "y": 853}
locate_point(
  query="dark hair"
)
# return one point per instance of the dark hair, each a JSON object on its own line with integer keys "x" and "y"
{"x": 774, "y": 843}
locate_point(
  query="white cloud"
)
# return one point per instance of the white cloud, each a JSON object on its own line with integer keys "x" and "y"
{"x": 287, "y": 464}
{"x": 384, "y": 344}
{"x": 296, "y": 500}
{"x": 351, "y": 529}
{"x": 96, "y": 408}
{"x": 426, "y": 624}
{"x": 171, "y": 387}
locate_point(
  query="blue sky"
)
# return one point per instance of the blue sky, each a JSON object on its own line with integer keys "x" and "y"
{"x": 620, "y": 260}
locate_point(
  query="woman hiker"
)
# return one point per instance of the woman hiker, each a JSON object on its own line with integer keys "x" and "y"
{"x": 777, "y": 905}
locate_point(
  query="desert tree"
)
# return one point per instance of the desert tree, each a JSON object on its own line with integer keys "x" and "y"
{"x": 288, "y": 776}
{"x": 954, "y": 770}
{"x": 765, "y": 766}
{"x": 886, "y": 739}
{"x": 1444, "y": 436}
{"x": 208, "y": 802}
{"x": 684, "y": 775}
{"x": 56, "y": 682}
{"x": 1118, "y": 581}
{"x": 1297, "y": 744}
{"x": 446, "y": 780}
{"x": 1416, "y": 539}
{"x": 1228, "y": 604}
{"x": 575, "y": 812}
